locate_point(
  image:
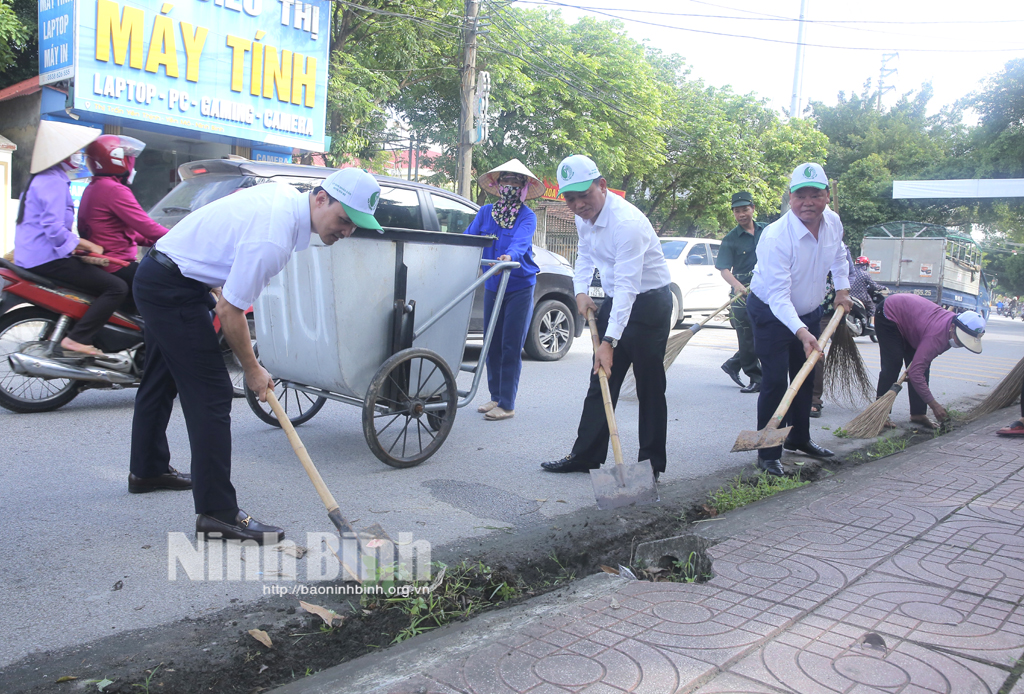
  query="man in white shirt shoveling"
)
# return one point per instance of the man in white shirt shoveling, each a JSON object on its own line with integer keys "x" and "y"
{"x": 239, "y": 243}
{"x": 794, "y": 256}
{"x": 633, "y": 321}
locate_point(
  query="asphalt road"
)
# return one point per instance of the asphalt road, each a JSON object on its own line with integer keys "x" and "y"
{"x": 84, "y": 559}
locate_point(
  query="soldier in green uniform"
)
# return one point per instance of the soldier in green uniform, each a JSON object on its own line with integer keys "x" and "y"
{"x": 736, "y": 260}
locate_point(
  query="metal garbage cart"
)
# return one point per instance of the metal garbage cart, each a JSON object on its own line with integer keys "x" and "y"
{"x": 378, "y": 321}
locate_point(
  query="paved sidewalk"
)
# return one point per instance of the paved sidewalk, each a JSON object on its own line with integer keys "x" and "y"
{"x": 903, "y": 575}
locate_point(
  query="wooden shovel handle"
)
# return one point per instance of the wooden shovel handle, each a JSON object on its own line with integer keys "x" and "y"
{"x": 776, "y": 421}
{"x": 606, "y": 394}
{"x": 300, "y": 451}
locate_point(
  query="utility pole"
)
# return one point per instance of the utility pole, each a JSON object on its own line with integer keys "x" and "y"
{"x": 465, "y": 161}
{"x": 798, "y": 68}
{"x": 884, "y": 72}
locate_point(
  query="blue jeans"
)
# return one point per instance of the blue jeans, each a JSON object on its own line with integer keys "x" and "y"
{"x": 505, "y": 356}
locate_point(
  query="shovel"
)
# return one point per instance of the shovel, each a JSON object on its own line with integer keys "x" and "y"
{"x": 371, "y": 537}
{"x": 623, "y": 485}
{"x": 772, "y": 435}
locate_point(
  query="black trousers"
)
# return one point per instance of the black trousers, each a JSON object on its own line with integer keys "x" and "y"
{"x": 127, "y": 273}
{"x": 108, "y": 289}
{"x": 745, "y": 357}
{"x": 182, "y": 359}
{"x": 894, "y": 352}
{"x": 782, "y": 356}
{"x": 643, "y": 345}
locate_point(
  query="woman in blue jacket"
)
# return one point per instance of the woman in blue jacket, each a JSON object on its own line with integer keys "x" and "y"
{"x": 513, "y": 223}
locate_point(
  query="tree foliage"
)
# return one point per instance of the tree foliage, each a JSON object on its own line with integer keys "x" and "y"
{"x": 18, "y": 46}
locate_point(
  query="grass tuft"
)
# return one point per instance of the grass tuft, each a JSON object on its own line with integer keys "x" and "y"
{"x": 739, "y": 493}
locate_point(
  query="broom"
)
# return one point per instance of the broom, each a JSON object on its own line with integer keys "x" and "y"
{"x": 869, "y": 423}
{"x": 1004, "y": 394}
{"x": 673, "y": 347}
{"x": 845, "y": 377}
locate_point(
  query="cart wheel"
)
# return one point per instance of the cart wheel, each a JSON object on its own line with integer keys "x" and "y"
{"x": 397, "y": 428}
{"x": 299, "y": 406}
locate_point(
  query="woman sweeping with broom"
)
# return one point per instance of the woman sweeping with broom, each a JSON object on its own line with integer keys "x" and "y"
{"x": 513, "y": 223}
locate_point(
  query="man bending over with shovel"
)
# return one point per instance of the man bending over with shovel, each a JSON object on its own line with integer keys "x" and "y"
{"x": 617, "y": 239}
{"x": 794, "y": 256}
{"x": 238, "y": 243}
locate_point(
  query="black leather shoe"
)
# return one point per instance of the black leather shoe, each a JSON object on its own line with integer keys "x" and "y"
{"x": 245, "y": 527}
{"x": 810, "y": 448}
{"x": 569, "y": 463}
{"x": 734, "y": 375}
{"x": 754, "y": 387}
{"x": 772, "y": 467}
{"x": 172, "y": 479}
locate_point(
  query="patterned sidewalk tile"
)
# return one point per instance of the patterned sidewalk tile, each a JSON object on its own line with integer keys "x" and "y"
{"x": 982, "y": 536}
{"x": 1004, "y": 503}
{"x": 706, "y": 623}
{"x": 728, "y": 683}
{"x": 877, "y": 508}
{"x": 772, "y": 575}
{"x": 1019, "y": 689}
{"x": 990, "y": 452}
{"x": 988, "y": 630}
{"x": 850, "y": 549}
{"x": 993, "y": 576}
{"x": 811, "y": 660}
{"x": 417, "y": 685}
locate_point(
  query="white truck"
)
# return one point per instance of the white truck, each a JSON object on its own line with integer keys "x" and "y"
{"x": 930, "y": 261}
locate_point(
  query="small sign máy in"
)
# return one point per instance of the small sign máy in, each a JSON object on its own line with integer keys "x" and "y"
{"x": 56, "y": 40}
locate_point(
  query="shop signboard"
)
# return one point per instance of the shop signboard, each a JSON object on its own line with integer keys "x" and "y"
{"x": 247, "y": 69}
{"x": 56, "y": 40}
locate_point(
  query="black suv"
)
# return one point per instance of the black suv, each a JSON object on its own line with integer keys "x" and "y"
{"x": 402, "y": 205}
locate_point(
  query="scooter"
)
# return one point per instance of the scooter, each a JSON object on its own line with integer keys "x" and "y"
{"x": 857, "y": 321}
{"x": 36, "y": 375}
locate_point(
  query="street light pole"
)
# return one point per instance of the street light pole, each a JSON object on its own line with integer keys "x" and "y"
{"x": 798, "y": 69}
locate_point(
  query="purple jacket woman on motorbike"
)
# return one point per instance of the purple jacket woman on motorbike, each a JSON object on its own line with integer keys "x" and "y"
{"x": 43, "y": 240}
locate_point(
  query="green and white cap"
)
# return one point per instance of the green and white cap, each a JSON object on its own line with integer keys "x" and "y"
{"x": 358, "y": 193}
{"x": 808, "y": 175}
{"x": 576, "y": 174}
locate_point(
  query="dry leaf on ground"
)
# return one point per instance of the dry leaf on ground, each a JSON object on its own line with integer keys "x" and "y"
{"x": 66, "y": 678}
{"x": 292, "y": 550}
{"x": 331, "y": 618}
{"x": 262, "y": 637}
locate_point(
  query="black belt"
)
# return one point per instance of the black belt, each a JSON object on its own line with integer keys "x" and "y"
{"x": 164, "y": 260}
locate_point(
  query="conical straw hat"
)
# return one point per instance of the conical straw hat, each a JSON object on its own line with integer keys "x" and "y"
{"x": 489, "y": 181}
{"x": 57, "y": 141}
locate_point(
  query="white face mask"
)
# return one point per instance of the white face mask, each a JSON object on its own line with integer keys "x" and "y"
{"x": 131, "y": 177}
{"x": 953, "y": 344}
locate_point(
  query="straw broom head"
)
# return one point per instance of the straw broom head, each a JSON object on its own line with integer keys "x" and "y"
{"x": 846, "y": 378}
{"x": 1004, "y": 394}
{"x": 869, "y": 423}
{"x": 673, "y": 347}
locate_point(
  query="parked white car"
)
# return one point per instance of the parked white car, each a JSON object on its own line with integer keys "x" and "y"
{"x": 697, "y": 286}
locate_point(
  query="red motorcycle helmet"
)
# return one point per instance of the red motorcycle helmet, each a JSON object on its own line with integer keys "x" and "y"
{"x": 112, "y": 155}
{"x": 862, "y": 260}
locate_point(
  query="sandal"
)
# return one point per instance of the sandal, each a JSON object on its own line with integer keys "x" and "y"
{"x": 498, "y": 413}
{"x": 816, "y": 410}
{"x": 1014, "y": 429}
{"x": 487, "y": 407}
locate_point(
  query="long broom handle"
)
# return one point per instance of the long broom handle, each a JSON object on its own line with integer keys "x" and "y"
{"x": 606, "y": 394}
{"x": 776, "y": 421}
{"x": 300, "y": 451}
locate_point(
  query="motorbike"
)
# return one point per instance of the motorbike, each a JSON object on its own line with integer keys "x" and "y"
{"x": 36, "y": 313}
{"x": 857, "y": 320}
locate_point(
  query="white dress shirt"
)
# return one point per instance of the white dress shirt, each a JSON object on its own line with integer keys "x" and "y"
{"x": 622, "y": 244}
{"x": 241, "y": 241}
{"x": 792, "y": 266}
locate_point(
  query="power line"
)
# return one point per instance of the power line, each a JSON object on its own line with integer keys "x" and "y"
{"x": 782, "y": 41}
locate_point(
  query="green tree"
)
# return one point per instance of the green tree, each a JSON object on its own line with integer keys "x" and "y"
{"x": 17, "y": 41}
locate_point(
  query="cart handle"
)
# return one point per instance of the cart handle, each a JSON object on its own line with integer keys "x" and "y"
{"x": 502, "y": 266}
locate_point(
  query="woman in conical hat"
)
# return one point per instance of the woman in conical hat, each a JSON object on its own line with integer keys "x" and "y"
{"x": 43, "y": 240}
{"x": 513, "y": 223}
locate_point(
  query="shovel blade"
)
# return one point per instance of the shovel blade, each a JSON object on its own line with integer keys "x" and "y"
{"x": 624, "y": 485}
{"x": 764, "y": 438}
